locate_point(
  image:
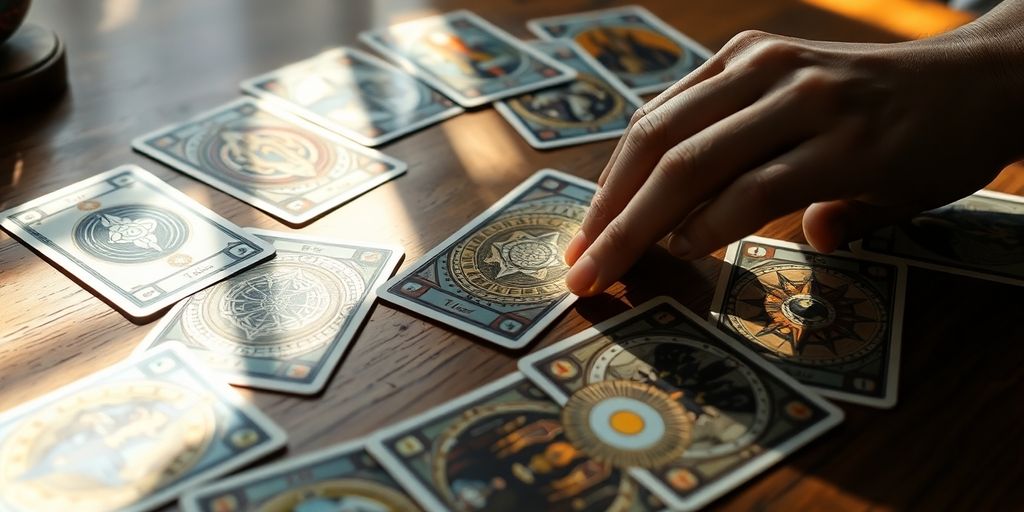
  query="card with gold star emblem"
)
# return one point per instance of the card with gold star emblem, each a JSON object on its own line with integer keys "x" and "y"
{"x": 832, "y": 321}
{"x": 283, "y": 325}
{"x": 271, "y": 159}
{"x": 503, "y": 447}
{"x": 687, "y": 411}
{"x": 502, "y": 276}
{"x": 129, "y": 438}
{"x": 136, "y": 241}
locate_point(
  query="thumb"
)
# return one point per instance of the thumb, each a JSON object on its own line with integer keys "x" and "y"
{"x": 828, "y": 225}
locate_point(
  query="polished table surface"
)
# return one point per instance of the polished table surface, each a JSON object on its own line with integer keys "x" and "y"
{"x": 953, "y": 441}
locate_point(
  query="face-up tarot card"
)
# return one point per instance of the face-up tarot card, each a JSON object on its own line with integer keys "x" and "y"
{"x": 128, "y": 438}
{"x": 502, "y": 447}
{"x": 594, "y": 106}
{"x": 467, "y": 58}
{"x": 283, "y": 325}
{"x": 690, "y": 412}
{"x": 343, "y": 478}
{"x": 980, "y": 236}
{"x": 134, "y": 240}
{"x": 501, "y": 277}
{"x": 271, "y": 159}
{"x": 356, "y": 95}
{"x": 646, "y": 53}
{"x": 831, "y": 321}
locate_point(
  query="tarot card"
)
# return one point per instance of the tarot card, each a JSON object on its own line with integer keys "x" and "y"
{"x": 341, "y": 478}
{"x": 128, "y": 438}
{"x": 692, "y": 413}
{"x": 643, "y": 51}
{"x": 980, "y": 236}
{"x": 832, "y": 321}
{"x": 271, "y": 159}
{"x": 501, "y": 277}
{"x": 467, "y": 58}
{"x": 356, "y": 95}
{"x": 502, "y": 447}
{"x": 133, "y": 239}
{"x": 283, "y": 325}
{"x": 594, "y": 106}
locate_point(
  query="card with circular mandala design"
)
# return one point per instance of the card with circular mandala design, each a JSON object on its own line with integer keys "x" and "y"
{"x": 136, "y": 241}
{"x": 283, "y": 325}
{"x": 832, "y": 321}
{"x": 270, "y": 158}
{"x": 502, "y": 276}
{"x": 129, "y": 438}
{"x": 689, "y": 412}
{"x": 594, "y": 106}
{"x": 339, "y": 479}
{"x": 504, "y": 446}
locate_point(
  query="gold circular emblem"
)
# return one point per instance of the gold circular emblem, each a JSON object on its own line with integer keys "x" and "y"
{"x": 807, "y": 314}
{"x": 517, "y": 257}
{"x": 626, "y": 423}
{"x": 340, "y": 494}
{"x": 561, "y": 108}
{"x": 106, "y": 447}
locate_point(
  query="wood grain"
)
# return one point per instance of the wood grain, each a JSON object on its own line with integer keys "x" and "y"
{"x": 952, "y": 442}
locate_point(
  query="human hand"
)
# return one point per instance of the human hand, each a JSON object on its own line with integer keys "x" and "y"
{"x": 866, "y": 134}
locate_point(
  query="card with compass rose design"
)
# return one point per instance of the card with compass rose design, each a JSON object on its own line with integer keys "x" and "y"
{"x": 136, "y": 241}
{"x": 980, "y": 236}
{"x": 339, "y": 479}
{"x": 467, "y": 58}
{"x": 270, "y": 158}
{"x": 831, "y": 321}
{"x": 594, "y": 106}
{"x": 128, "y": 438}
{"x": 501, "y": 277}
{"x": 355, "y": 94}
{"x": 503, "y": 447}
{"x": 283, "y": 325}
{"x": 689, "y": 412}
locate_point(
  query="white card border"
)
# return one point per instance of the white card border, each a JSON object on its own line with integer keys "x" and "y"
{"x": 896, "y": 332}
{"x": 833, "y": 417}
{"x": 369, "y": 37}
{"x": 858, "y": 248}
{"x": 276, "y": 436}
{"x": 535, "y": 26}
{"x": 142, "y": 314}
{"x": 273, "y": 108}
{"x": 524, "y": 131}
{"x": 542, "y": 323}
{"x": 248, "y": 86}
{"x": 395, "y": 467}
{"x": 189, "y": 500}
{"x": 345, "y": 339}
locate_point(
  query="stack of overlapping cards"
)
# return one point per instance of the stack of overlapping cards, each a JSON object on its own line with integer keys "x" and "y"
{"x": 652, "y": 409}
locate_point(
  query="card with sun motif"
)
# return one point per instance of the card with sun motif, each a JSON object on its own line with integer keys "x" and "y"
{"x": 980, "y": 236}
{"x": 129, "y": 438}
{"x": 688, "y": 411}
{"x": 283, "y": 325}
{"x": 136, "y": 241}
{"x": 832, "y": 321}
{"x": 467, "y": 58}
{"x": 502, "y": 447}
{"x": 594, "y": 106}
{"x": 643, "y": 51}
{"x": 271, "y": 159}
{"x": 356, "y": 95}
{"x": 502, "y": 276}
{"x": 342, "y": 478}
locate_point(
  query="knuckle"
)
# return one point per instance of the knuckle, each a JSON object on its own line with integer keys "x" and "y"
{"x": 815, "y": 81}
{"x": 745, "y": 39}
{"x": 646, "y": 130}
{"x": 771, "y": 53}
{"x": 677, "y": 161}
{"x": 600, "y": 213}
{"x": 758, "y": 190}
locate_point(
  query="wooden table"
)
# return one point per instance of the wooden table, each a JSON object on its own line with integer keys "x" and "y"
{"x": 954, "y": 440}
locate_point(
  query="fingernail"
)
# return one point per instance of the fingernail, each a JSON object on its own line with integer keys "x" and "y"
{"x": 575, "y": 248}
{"x": 582, "y": 275}
{"x": 679, "y": 246}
